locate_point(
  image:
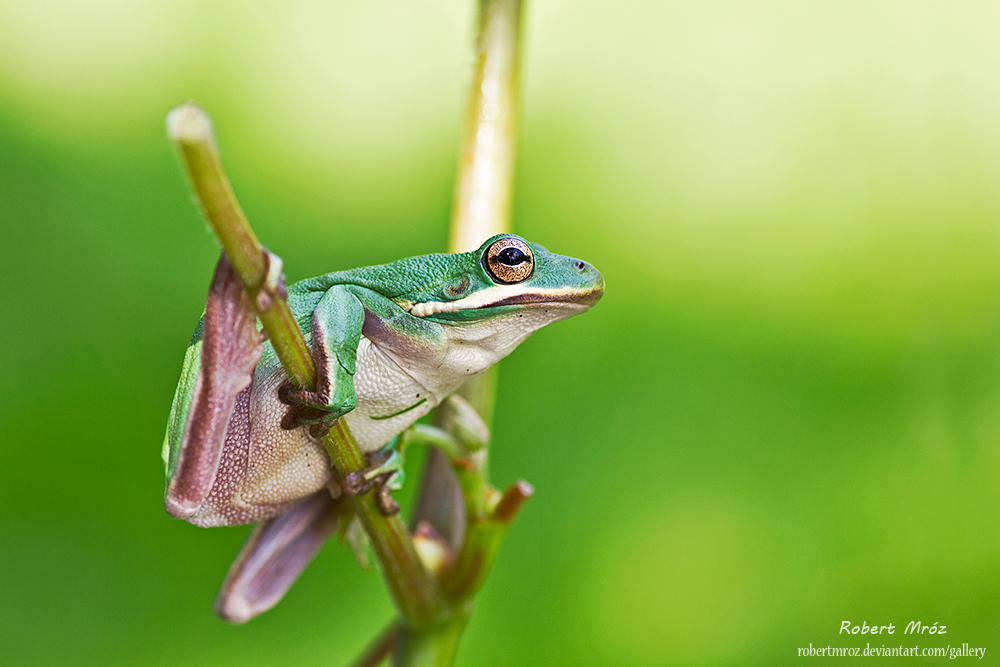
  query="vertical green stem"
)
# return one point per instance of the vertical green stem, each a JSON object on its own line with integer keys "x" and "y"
{"x": 435, "y": 647}
{"x": 481, "y": 209}
{"x": 486, "y": 169}
{"x": 485, "y": 183}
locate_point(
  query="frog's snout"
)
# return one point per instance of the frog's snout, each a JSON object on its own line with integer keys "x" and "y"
{"x": 595, "y": 280}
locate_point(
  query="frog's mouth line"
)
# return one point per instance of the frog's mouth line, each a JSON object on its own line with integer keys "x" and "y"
{"x": 540, "y": 299}
{"x": 509, "y": 295}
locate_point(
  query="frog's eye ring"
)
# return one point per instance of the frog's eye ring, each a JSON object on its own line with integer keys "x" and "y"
{"x": 509, "y": 260}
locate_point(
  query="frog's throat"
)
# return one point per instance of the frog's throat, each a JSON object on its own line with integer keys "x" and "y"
{"x": 505, "y": 295}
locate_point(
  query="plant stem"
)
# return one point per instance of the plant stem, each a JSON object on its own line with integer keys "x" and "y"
{"x": 480, "y": 210}
{"x": 435, "y": 647}
{"x": 483, "y": 189}
{"x": 482, "y": 541}
{"x": 191, "y": 130}
{"x": 412, "y": 587}
{"x": 379, "y": 649}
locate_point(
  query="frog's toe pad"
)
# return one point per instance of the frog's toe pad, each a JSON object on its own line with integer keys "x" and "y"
{"x": 318, "y": 420}
{"x": 290, "y": 395}
{"x": 383, "y": 496}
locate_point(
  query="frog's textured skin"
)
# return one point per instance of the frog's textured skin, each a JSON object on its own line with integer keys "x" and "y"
{"x": 392, "y": 341}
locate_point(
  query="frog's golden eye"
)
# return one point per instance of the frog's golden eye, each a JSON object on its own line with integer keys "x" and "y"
{"x": 509, "y": 260}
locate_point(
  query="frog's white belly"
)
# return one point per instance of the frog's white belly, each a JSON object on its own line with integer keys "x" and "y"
{"x": 396, "y": 387}
{"x": 389, "y": 398}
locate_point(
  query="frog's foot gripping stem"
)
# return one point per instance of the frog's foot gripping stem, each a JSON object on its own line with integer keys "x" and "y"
{"x": 384, "y": 474}
{"x": 309, "y": 407}
{"x": 316, "y": 409}
{"x": 302, "y": 410}
{"x": 334, "y": 350}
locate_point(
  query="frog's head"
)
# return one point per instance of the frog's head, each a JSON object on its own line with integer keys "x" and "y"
{"x": 509, "y": 284}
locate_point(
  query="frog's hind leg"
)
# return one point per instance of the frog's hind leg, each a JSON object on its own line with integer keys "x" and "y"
{"x": 225, "y": 356}
{"x": 275, "y": 554}
{"x": 384, "y": 474}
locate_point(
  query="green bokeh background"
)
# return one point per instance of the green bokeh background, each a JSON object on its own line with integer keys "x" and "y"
{"x": 784, "y": 414}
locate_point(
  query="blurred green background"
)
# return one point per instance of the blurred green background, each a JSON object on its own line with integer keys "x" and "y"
{"x": 784, "y": 414}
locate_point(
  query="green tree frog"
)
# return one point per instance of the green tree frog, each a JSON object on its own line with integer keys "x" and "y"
{"x": 390, "y": 342}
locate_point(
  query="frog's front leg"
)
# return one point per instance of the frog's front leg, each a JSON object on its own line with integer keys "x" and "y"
{"x": 336, "y": 332}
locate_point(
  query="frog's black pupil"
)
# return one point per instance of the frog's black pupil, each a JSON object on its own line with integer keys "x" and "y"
{"x": 512, "y": 256}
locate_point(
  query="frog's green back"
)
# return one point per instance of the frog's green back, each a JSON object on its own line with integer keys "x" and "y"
{"x": 179, "y": 411}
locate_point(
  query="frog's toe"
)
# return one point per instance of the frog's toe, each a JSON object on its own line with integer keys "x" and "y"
{"x": 292, "y": 395}
{"x": 320, "y": 430}
{"x": 383, "y": 475}
{"x": 356, "y": 484}
{"x": 318, "y": 420}
{"x": 383, "y": 496}
{"x": 310, "y": 408}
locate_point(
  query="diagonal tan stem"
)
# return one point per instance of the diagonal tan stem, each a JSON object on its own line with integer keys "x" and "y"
{"x": 414, "y": 590}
